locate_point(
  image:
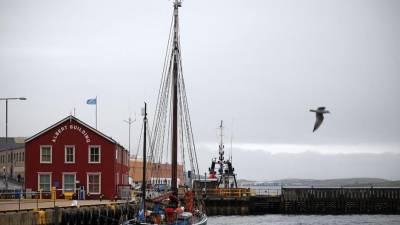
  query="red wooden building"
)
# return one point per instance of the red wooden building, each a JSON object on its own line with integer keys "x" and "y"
{"x": 71, "y": 154}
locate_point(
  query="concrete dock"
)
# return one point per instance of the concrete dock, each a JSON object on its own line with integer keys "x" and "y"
{"x": 31, "y": 204}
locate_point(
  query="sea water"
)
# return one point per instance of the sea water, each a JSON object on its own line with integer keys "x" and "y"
{"x": 305, "y": 220}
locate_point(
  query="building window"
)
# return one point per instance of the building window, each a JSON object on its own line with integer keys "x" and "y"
{"x": 94, "y": 183}
{"x": 69, "y": 154}
{"x": 45, "y": 154}
{"x": 44, "y": 181}
{"x": 69, "y": 182}
{"x": 94, "y": 154}
{"x": 23, "y": 156}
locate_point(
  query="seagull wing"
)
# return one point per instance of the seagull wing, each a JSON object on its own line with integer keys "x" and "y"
{"x": 318, "y": 121}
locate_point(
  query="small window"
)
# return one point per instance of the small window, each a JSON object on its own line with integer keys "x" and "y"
{"x": 69, "y": 154}
{"x": 69, "y": 182}
{"x": 44, "y": 182}
{"x": 45, "y": 154}
{"x": 94, "y": 154}
{"x": 94, "y": 182}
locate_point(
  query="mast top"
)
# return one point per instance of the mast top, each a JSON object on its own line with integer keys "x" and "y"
{"x": 221, "y": 145}
{"x": 177, "y": 3}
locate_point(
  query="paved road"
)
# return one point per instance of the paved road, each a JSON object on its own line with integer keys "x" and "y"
{"x": 27, "y": 204}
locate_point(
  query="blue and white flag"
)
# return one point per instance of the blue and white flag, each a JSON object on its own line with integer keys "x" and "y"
{"x": 92, "y": 101}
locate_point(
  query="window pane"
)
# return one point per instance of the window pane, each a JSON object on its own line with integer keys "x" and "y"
{"x": 94, "y": 154}
{"x": 94, "y": 183}
{"x": 44, "y": 182}
{"x": 69, "y": 154}
{"x": 46, "y": 154}
{"x": 69, "y": 182}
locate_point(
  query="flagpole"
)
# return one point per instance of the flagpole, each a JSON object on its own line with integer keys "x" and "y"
{"x": 96, "y": 112}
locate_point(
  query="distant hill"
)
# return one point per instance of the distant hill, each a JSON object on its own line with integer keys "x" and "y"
{"x": 244, "y": 181}
{"x": 345, "y": 182}
{"x": 336, "y": 182}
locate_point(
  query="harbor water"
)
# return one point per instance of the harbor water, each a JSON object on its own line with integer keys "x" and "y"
{"x": 305, "y": 220}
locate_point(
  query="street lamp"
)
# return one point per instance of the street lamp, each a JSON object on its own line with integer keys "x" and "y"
{"x": 6, "y": 99}
{"x": 129, "y": 122}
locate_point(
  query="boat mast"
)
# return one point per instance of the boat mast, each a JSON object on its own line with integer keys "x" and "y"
{"x": 221, "y": 144}
{"x": 175, "y": 71}
{"x": 144, "y": 113}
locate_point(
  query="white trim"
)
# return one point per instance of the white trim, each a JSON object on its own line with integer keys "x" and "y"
{"x": 117, "y": 178}
{"x": 65, "y": 154}
{"x": 87, "y": 182}
{"x": 38, "y": 179}
{"x": 68, "y": 173}
{"x": 51, "y": 154}
{"x": 94, "y": 146}
{"x": 78, "y": 121}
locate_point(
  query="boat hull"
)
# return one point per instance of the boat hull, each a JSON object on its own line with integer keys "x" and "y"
{"x": 198, "y": 221}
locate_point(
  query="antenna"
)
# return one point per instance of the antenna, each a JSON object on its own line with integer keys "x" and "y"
{"x": 221, "y": 145}
{"x": 230, "y": 157}
{"x": 177, "y": 3}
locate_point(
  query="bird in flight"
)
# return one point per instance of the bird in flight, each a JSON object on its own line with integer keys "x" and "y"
{"x": 319, "y": 113}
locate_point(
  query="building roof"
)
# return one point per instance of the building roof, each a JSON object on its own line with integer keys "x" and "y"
{"x": 70, "y": 117}
{"x": 12, "y": 143}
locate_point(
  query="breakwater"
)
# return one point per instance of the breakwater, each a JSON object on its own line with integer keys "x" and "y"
{"x": 306, "y": 200}
{"x": 367, "y": 200}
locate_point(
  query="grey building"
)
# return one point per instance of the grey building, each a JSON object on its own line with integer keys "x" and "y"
{"x": 12, "y": 158}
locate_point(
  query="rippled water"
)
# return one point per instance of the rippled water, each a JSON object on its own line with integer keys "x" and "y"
{"x": 305, "y": 220}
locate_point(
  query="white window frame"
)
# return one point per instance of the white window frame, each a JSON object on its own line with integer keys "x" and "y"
{"x": 94, "y": 146}
{"x": 87, "y": 183}
{"x": 38, "y": 179}
{"x": 51, "y": 154}
{"x": 63, "y": 184}
{"x": 65, "y": 154}
{"x": 117, "y": 178}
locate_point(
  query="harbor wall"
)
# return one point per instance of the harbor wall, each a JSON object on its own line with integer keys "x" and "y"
{"x": 307, "y": 200}
{"x": 340, "y": 200}
{"x": 87, "y": 215}
{"x": 310, "y": 200}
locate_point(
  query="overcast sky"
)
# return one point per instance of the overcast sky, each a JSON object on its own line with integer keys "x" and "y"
{"x": 259, "y": 65}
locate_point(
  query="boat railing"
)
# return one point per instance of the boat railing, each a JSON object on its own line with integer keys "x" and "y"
{"x": 238, "y": 192}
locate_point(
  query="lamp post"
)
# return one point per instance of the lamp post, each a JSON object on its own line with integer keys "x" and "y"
{"x": 6, "y": 99}
{"x": 5, "y": 177}
{"x": 129, "y": 122}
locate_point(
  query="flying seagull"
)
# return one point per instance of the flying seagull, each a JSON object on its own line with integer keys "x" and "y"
{"x": 320, "y": 116}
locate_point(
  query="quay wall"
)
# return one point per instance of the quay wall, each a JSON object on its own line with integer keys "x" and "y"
{"x": 310, "y": 200}
{"x": 368, "y": 200}
{"x": 87, "y": 215}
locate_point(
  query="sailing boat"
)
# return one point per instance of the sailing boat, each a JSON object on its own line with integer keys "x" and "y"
{"x": 172, "y": 132}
